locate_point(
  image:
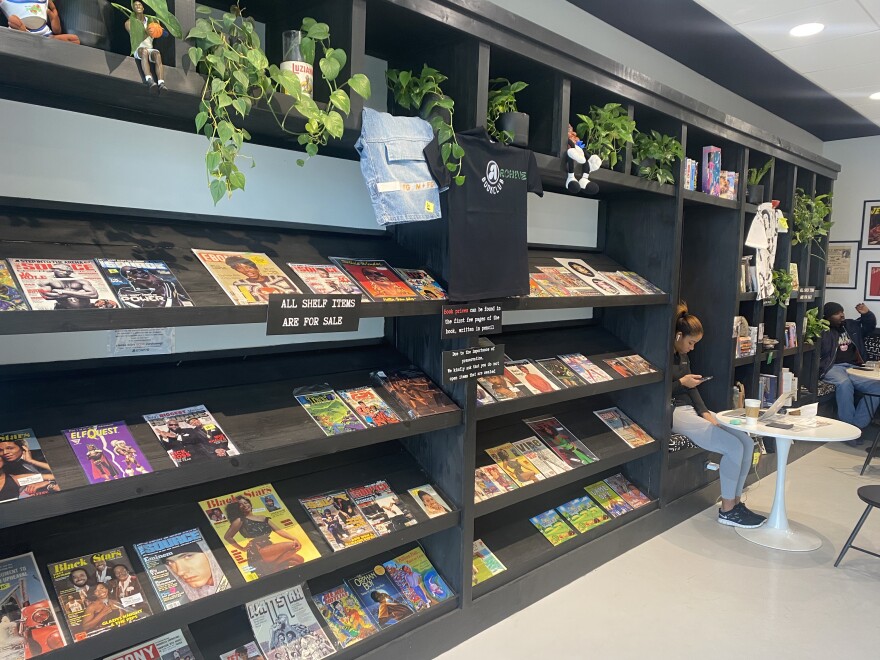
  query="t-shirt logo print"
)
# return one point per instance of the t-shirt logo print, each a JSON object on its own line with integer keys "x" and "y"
{"x": 493, "y": 182}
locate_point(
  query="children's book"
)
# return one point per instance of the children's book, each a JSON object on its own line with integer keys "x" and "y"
{"x": 552, "y": 526}
{"x": 583, "y": 514}
{"x": 613, "y": 503}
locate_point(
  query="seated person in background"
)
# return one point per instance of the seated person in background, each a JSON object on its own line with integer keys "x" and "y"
{"x": 843, "y": 346}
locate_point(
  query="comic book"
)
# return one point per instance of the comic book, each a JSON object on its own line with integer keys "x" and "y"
{"x": 25, "y": 601}
{"x": 144, "y": 284}
{"x": 377, "y": 594}
{"x": 190, "y": 435}
{"x": 583, "y": 514}
{"x": 535, "y": 289}
{"x": 483, "y": 397}
{"x": 484, "y": 487}
{"x": 519, "y": 468}
{"x": 613, "y": 503}
{"x": 249, "y": 651}
{"x": 330, "y": 412}
{"x": 414, "y": 392}
{"x": 383, "y": 509}
{"x": 485, "y": 563}
{"x": 575, "y": 285}
{"x": 98, "y": 592}
{"x": 11, "y": 296}
{"x": 624, "y": 284}
{"x": 504, "y": 387}
{"x": 377, "y": 279}
{"x": 253, "y": 518}
{"x": 563, "y": 442}
{"x": 284, "y": 620}
{"x": 558, "y": 370}
{"x": 181, "y": 568}
{"x": 422, "y": 283}
{"x": 530, "y": 377}
{"x": 499, "y": 478}
{"x": 417, "y": 579}
{"x": 551, "y": 286}
{"x": 585, "y": 368}
{"x": 533, "y": 449}
{"x": 107, "y": 452}
{"x": 626, "y": 429}
{"x": 642, "y": 282}
{"x": 63, "y": 284}
{"x": 28, "y": 474}
{"x": 429, "y": 500}
{"x": 170, "y": 646}
{"x": 627, "y": 490}
{"x": 328, "y": 280}
{"x": 369, "y": 406}
{"x": 619, "y": 366}
{"x": 248, "y": 278}
{"x": 553, "y": 527}
{"x": 347, "y": 620}
{"x": 590, "y": 275}
{"x": 338, "y": 518}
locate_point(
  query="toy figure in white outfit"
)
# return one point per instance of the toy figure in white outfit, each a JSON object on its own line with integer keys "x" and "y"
{"x": 145, "y": 53}
{"x": 37, "y": 17}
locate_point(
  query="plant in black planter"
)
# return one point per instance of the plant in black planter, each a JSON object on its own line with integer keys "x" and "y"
{"x": 755, "y": 191}
{"x": 423, "y": 94}
{"x": 606, "y": 130}
{"x": 654, "y": 154}
{"x": 783, "y": 285}
{"x": 504, "y": 122}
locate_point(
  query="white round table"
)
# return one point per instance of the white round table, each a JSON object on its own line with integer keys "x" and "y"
{"x": 778, "y": 532}
{"x": 863, "y": 373}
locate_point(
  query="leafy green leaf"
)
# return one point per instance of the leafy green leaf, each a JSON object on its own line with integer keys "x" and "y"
{"x": 459, "y": 180}
{"x": 318, "y": 31}
{"x": 169, "y": 20}
{"x": 360, "y": 85}
{"x": 307, "y": 107}
{"x": 240, "y": 106}
{"x": 225, "y": 130}
{"x": 340, "y": 99}
{"x": 236, "y": 180}
{"x": 241, "y": 77}
{"x": 213, "y": 38}
{"x": 452, "y": 167}
{"x": 334, "y": 124}
{"x": 457, "y": 151}
{"x": 307, "y": 50}
{"x": 258, "y": 59}
{"x": 339, "y": 55}
{"x": 446, "y": 151}
{"x": 201, "y": 9}
{"x": 217, "y": 86}
{"x": 300, "y": 162}
{"x": 212, "y": 161}
{"x": 201, "y": 118}
{"x": 308, "y": 22}
{"x": 444, "y": 134}
{"x": 223, "y": 100}
{"x": 289, "y": 83}
{"x": 195, "y": 55}
{"x": 137, "y": 33}
{"x": 311, "y": 149}
{"x": 329, "y": 68}
{"x": 218, "y": 189}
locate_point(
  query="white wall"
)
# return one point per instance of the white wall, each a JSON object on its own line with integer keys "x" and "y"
{"x": 858, "y": 182}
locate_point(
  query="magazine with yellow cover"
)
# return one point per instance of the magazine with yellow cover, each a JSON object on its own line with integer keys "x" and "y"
{"x": 259, "y": 532}
{"x": 248, "y": 278}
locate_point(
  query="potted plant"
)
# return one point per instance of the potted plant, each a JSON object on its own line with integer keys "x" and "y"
{"x": 423, "y": 94}
{"x": 782, "y": 287}
{"x": 754, "y": 189}
{"x": 654, "y": 155}
{"x": 814, "y": 326}
{"x": 238, "y": 75}
{"x": 809, "y": 216}
{"x": 504, "y": 122}
{"x": 606, "y": 130}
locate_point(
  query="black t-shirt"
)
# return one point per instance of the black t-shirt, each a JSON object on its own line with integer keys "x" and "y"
{"x": 486, "y": 217}
{"x": 846, "y": 352}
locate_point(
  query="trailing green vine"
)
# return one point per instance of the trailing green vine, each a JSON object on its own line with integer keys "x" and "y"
{"x": 809, "y": 216}
{"x": 783, "y": 285}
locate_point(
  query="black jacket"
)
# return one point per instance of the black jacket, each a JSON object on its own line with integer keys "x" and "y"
{"x": 857, "y": 330}
{"x": 681, "y": 395}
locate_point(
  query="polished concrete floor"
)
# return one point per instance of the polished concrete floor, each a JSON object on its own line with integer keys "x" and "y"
{"x": 701, "y": 591}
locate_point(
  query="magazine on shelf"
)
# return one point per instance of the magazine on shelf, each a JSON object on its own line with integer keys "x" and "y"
{"x": 531, "y": 377}
{"x": 382, "y": 507}
{"x": 338, "y": 519}
{"x": 613, "y": 503}
{"x": 624, "y": 284}
{"x": 283, "y": 621}
{"x": 144, "y": 284}
{"x": 483, "y": 397}
{"x": 519, "y": 468}
{"x": 563, "y": 442}
{"x": 416, "y": 395}
{"x": 107, "y": 452}
{"x": 583, "y": 514}
{"x": 382, "y": 600}
{"x": 552, "y": 287}
{"x": 98, "y": 592}
{"x": 637, "y": 364}
{"x": 535, "y": 289}
{"x": 330, "y": 412}
{"x": 429, "y": 500}
{"x": 11, "y": 296}
{"x": 619, "y": 366}
{"x": 249, "y": 651}
{"x": 170, "y": 646}
{"x": 590, "y": 275}
{"x": 505, "y": 386}
{"x": 575, "y": 285}
{"x": 642, "y": 282}
{"x": 553, "y": 527}
{"x": 485, "y": 563}
{"x": 258, "y": 531}
{"x": 417, "y": 579}
{"x": 248, "y": 278}
{"x": 499, "y": 477}
{"x": 585, "y": 368}
{"x": 627, "y": 490}
{"x": 541, "y": 456}
{"x": 422, "y": 283}
{"x": 484, "y": 486}
{"x": 28, "y": 473}
{"x": 190, "y": 435}
{"x": 344, "y": 615}
{"x": 181, "y": 568}
{"x": 25, "y": 601}
{"x": 63, "y": 284}
{"x": 377, "y": 279}
{"x": 326, "y": 280}
{"x": 625, "y": 429}
{"x": 558, "y": 370}
{"x": 369, "y": 406}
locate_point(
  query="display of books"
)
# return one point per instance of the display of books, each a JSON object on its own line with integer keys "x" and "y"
{"x": 63, "y": 284}
{"x": 560, "y": 372}
{"x": 541, "y": 456}
{"x": 551, "y": 286}
{"x": 585, "y": 368}
{"x": 485, "y": 563}
{"x": 338, "y": 518}
{"x": 505, "y": 387}
{"x": 627, "y": 490}
{"x": 562, "y": 441}
{"x": 283, "y": 621}
{"x": 417, "y": 579}
{"x": 190, "y": 435}
{"x": 330, "y": 412}
{"x": 107, "y": 452}
{"x": 422, "y": 283}
{"x": 531, "y": 377}
{"x": 484, "y": 487}
{"x": 609, "y": 500}
{"x": 535, "y": 289}
{"x": 483, "y": 397}
{"x": 379, "y": 597}
{"x": 620, "y": 366}
{"x": 248, "y": 278}
{"x": 249, "y": 651}
{"x": 344, "y": 615}
{"x": 327, "y": 280}
{"x": 25, "y": 473}
{"x": 172, "y": 645}
{"x": 583, "y": 514}
{"x": 383, "y": 509}
{"x": 553, "y": 527}
{"x": 429, "y": 500}
{"x": 519, "y": 468}
{"x": 369, "y": 406}
{"x": 144, "y": 284}
{"x": 591, "y": 276}
{"x": 377, "y": 279}
{"x": 499, "y": 477}
{"x": 572, "y": 283}
{"x": 25, "y": 603}
{"x": 414, "y": 392}
{"x": 11, "y": 297}
{"x": 625, "y": 429}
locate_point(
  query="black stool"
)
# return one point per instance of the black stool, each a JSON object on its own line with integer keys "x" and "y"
{"x": 871, "y": 451}
{"x": 871, "y": 496}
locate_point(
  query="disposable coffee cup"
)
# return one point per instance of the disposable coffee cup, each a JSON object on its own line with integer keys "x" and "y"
{"x": 753, "y": 409}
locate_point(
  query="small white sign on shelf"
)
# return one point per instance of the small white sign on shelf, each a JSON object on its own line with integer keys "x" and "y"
{"x": 141, "y": 341}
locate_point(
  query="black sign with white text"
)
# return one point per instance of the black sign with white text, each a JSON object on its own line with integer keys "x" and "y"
{"x": 300, "y": 313}
{"x": 471, "y": 319}
{"x": 477, "y": 362}
{"x": 806, "y": 293}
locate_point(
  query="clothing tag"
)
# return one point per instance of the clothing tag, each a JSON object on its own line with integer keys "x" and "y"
{"x": 417, "y": 186}
{"x": 429, "y": 206}
{"x": 388, "y": 186}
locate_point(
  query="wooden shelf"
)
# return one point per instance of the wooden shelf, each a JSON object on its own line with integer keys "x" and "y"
{"x": 743, "y": 361}
{"x": 611, "y": 183}
{"x": 697, "y": 198}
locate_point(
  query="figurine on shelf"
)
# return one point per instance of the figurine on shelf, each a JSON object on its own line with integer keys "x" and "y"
{"x": 39, "y": 17}
{"x": 145, "y": 53}
{"x": 576, "y": 154}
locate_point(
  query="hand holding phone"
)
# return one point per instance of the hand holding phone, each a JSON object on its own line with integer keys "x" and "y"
{"x": 705, "y": 378}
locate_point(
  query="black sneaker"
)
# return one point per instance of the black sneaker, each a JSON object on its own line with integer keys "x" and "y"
{"x": 739, "y": 517}
{"x": 747, "y": 510}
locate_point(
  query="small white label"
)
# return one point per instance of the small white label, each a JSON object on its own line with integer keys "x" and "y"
{"x": 141, "y": 341}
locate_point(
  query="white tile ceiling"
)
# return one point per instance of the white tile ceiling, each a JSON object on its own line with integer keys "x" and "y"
{"x": 843, "y": 59}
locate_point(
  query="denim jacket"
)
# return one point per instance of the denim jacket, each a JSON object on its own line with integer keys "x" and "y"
{"x": 394, "y": 168}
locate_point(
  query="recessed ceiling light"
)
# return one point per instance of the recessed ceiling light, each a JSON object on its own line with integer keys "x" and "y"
{"x": 875, "y": 96}
{"x": 806, "y": 30}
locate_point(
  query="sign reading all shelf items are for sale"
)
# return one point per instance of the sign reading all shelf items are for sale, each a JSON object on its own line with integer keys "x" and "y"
{"x": 471, "y": 319}
{"x": 293, "y": 314}
{"x": 465, "y": 363}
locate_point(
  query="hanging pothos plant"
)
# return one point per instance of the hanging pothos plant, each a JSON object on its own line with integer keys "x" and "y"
{"x": 809, "y": 214}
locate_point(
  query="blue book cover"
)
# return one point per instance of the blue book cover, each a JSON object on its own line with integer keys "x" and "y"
{"x": 380, "y": 597}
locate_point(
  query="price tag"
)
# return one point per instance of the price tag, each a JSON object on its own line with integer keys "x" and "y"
{"x": 471, "y": 319}
{"x": 301, "y": 313}
{"x": 807, "y": 293}
{"x": 477, "y": 362}
{"x": 141, "y": 341}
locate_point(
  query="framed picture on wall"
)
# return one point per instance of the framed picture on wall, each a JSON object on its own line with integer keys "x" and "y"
{"x": 842, "y": 265}
{"x": 871, "y": 225}
{"x": 872, "y": 280}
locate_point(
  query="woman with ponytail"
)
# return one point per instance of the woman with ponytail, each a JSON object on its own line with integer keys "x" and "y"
{"x": 692, "y": 418}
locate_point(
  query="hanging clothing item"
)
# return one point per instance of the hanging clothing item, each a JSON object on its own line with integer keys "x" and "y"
{"x": 394, "y": 168}
{"x": 763, "y": 236}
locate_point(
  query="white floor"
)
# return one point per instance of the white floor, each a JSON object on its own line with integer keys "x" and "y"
{"x": 699, "y": 590}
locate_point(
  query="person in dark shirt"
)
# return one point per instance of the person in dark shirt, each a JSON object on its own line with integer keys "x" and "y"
{"x": 692, "y": 418}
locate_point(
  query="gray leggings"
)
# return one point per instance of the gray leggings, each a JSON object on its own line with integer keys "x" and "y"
{"x": 735, "y": 447}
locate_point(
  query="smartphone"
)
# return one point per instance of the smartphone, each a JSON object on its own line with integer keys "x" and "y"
{"x": 705, "y": 378}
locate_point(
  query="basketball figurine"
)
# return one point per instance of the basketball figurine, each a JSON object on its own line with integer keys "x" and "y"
{"x": 149, "y": 57}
